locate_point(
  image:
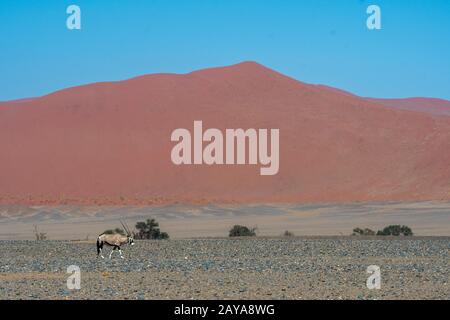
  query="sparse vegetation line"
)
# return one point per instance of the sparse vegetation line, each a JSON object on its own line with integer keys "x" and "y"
{"x": 392, "y": 230}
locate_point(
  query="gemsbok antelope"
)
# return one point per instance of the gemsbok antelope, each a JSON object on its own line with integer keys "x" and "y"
{"x": 114, "y": 240}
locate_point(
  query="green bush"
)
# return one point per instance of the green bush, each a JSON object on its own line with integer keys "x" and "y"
{"x": 242, "y": 231}
{"x": 287, "y": 233}
{"x": 363, "y": 232}
{"x": 149, "y": 230}
{"x": 115, "y": 231}
{"x": 395, "y": 230}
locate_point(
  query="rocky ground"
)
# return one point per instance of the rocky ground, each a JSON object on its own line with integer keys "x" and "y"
{"x": 259, "y": 268}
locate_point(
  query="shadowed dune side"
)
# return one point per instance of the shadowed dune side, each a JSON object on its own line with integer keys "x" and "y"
{"x": 109, "y": 143}
{"x": 432, "y": 106}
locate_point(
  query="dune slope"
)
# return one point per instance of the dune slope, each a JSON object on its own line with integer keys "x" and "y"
{"x": 109, "y": 143}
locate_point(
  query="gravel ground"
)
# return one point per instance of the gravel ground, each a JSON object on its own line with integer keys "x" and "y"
{"x": 259, "y": 268}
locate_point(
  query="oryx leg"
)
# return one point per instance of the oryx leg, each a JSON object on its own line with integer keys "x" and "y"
{"x": 99, "y": 249}
{"x": 114, "y": 248}
{"x": 120, "y": 251}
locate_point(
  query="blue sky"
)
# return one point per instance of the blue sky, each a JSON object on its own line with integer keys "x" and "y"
{"x": 315, "y": 41}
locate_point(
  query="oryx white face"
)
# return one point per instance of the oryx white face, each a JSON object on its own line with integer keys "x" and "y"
{"x": 131, "y": 241}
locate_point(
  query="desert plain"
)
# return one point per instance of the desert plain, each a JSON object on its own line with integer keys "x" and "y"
{"x": 257, "y": 268}
{"x": 199, "y": 261}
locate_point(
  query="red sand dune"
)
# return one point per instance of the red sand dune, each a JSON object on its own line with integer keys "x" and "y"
{"x": 109, "y": 143}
